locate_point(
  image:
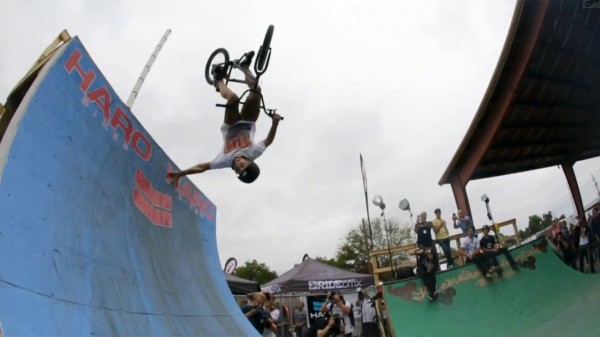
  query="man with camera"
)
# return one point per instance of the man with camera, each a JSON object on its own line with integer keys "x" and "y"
{"x": 258, "y": 316}
{"x": 338, "y": 310}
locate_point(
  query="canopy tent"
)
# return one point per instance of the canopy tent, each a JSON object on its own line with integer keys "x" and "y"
{"x": 317, "y": 277}
{"x": 240, "y": 286}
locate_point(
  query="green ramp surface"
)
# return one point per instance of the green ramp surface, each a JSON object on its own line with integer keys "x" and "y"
{"x": 543, "y": 297}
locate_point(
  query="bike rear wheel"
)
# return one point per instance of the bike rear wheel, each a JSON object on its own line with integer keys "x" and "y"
{"x": 219, "y": 56}
{"x": 264, "y": 53}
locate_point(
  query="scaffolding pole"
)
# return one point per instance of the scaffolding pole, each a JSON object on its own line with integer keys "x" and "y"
{"x": 140, "y": 81}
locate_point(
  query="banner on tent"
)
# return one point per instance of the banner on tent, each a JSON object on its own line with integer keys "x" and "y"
{"x": 314, "y": 304}
{"x": 274, "y": 288}
{"x": 334, "y": 284}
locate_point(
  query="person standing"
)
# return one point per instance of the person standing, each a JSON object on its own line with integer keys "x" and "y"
{"x": 462, "y": 221}
{"x": 367, "y": 308}
{"x": 442, "y": 236}
{"x": 300, "y": 320}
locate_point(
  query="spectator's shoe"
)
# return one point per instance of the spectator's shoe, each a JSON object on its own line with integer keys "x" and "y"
{"x": 431, "y": 298}
{"x": 489, "y": 276}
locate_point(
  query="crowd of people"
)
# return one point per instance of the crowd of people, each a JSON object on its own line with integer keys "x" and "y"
{"x": 481, "y": 251}
{"x": 338, "y": 317}
{"x": 579, "y": 242}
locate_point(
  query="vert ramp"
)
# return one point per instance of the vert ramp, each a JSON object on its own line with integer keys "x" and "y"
{"x": 94, "y": 241}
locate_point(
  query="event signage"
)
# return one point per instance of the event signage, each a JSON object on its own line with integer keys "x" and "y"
{"x": 334, "y": 284}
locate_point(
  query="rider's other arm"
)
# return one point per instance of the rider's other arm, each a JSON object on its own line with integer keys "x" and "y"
{"x": 192, "y": 170}
{"x": 199, "y": 168}
{"x": 271, "y": 136}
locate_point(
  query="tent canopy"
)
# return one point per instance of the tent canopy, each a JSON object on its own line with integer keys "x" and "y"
{"x": 240, "y": 286}
{"x": 317, "y": 277}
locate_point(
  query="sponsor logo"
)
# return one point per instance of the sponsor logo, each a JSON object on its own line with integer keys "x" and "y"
{"x": 334, "y": 284}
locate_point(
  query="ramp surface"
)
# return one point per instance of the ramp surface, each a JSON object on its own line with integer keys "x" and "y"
{"x": 94, "y": 241}
{"x": 544, "y": 297}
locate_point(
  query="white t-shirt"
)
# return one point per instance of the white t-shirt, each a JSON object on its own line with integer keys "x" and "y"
{"x": 237, "y": 139}
{"x": 368, "y": 311}
{"x": 470, "y": 245}
{"x": 348, "y": 328}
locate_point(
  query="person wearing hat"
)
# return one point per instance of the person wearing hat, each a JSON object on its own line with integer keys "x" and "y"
{"x": 441, "y": 236}
{"x": 239, "y": 149}
{"x": 490, "y": 249}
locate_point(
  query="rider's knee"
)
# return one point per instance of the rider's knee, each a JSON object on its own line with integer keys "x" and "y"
{"x": 232, "y": 99}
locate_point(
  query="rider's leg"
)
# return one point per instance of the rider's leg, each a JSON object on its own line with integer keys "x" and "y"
{"x": 251, "y": 108}
{"x": 232, "y": 113}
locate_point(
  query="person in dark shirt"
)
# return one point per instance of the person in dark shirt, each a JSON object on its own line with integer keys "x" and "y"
{"x": 491, "y": 248}
{"x": 258, "y": 316}
{"x": 427, "y": 259}
{"x": 566, "y": 248}
{"x": 427, "y": 264}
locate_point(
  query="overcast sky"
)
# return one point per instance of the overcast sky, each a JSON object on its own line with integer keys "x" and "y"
{"x": 398, "y": 81}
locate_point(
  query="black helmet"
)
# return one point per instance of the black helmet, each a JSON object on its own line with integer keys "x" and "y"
{"x": 250, "y": 174}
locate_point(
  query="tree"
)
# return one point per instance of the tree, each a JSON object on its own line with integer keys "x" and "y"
{"x": 536, "y": 224}
{"x": 353, "y": 253}
{"x": 254, "y": 271}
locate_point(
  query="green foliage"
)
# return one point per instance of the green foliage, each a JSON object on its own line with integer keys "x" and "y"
{"x": 254, "y": 271}
{"x": 536, "y": 224}
{"x": 353, "y": 252}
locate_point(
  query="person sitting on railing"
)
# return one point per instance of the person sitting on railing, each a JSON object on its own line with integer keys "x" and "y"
{"x": 491, "y": 248}
{"x": 470, "y": 249}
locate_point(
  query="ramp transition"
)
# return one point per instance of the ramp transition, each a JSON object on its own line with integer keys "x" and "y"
{"x": 543, "y": 298}
{"x": 94, "y": 241}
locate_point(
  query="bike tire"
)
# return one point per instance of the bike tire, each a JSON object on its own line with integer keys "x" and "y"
{"x": 210, "y": 64}
{"x": 264, "y": 51}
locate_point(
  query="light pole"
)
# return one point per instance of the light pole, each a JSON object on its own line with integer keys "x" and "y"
{"x": 378, "y": 201}
{"x": 485, "y": 199}
{"x": 405, "y": 206}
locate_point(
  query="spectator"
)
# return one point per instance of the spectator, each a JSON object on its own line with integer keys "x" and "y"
{"x": 595, "y": 223}
{"x": 427, "y": 264}
{"x": 566, "y": 248}
{"x": 462, "y": 221}
{"x": 491, "y": 248}
{"x": 583, "y": 250}
{"x": 336, "y": 305}
{"x": 256, "y": 313}
{"x": 441, "y": 235}
{"x": 423, "y": 231}
{"x": 367, "y": 309}
{"x": 300, "y": 320}
{"x": 469, "y": 248}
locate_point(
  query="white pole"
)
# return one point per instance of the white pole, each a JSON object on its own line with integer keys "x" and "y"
{"x": 140, "y": 81}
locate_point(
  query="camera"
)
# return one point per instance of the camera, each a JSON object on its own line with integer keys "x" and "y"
{"x": 338, "y": 326}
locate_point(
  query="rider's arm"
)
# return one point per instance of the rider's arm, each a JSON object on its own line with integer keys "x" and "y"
{"x": 199, "y": 168}
{"x": 271, "y": 136}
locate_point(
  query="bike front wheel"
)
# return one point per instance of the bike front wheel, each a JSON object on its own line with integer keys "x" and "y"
{"x": 219, "y": 56}
{"x": 264, "y": 53}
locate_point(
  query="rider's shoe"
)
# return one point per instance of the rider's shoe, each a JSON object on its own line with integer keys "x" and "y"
{"x": 246, "y": 60}
{"x": 219, "y": 73}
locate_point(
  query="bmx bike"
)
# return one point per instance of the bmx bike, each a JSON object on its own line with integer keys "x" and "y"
{"x": 261, "y": 63}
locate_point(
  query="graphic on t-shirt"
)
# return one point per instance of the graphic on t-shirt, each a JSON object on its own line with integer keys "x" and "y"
{"x": 238, "y": 137}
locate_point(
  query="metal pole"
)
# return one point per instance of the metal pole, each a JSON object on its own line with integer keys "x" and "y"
{"x": 140, "y": 81}
{"x": 388, "y": 242}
